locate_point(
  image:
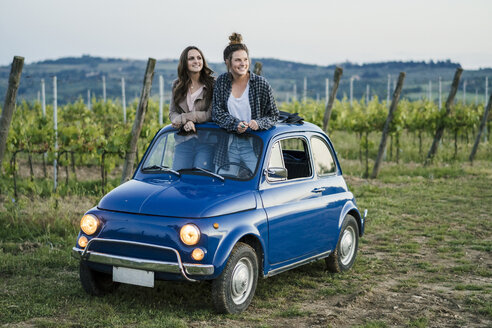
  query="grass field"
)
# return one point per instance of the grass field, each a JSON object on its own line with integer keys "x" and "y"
{"x": 425, "y": 261}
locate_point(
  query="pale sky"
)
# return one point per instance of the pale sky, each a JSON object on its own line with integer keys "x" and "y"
{"x": 320, "y": 32}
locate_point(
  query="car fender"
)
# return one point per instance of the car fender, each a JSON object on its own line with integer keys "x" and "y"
{"x": 348, "y": 207}
{"x": 231, "y": 239}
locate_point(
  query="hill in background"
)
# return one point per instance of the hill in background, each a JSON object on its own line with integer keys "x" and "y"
{"x": 77, "y": 75}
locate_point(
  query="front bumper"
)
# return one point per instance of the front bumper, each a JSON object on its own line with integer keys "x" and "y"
{"x": 185, "y": 269}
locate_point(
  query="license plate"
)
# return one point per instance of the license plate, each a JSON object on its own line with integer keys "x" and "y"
{"x": 133, "y": 276}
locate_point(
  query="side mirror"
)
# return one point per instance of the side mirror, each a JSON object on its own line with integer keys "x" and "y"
{"x": 276, "y": 174}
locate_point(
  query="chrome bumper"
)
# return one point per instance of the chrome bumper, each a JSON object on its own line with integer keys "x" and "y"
{"x": 179, "y": 267}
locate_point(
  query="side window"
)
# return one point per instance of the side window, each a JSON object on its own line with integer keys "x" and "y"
{"x": 323, "y": 160}
{"x": 276, "y": 156}
{"x": 296, "y": 158}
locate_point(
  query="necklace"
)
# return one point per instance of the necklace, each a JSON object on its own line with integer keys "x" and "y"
{"x": 192, "y": 87}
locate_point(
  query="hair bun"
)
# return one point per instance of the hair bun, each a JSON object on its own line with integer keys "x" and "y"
{"x": 235, "y": 38}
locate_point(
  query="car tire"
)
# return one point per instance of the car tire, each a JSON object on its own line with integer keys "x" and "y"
{"x": 343, "y": 258}
{"x": 234, "y": 289}
{"x": 96, "y": 283}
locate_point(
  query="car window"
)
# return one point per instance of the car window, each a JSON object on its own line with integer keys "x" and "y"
{"x": 276, "y": 156}
{"x": 292, "y": 154}
{"x": 322, "y": 157}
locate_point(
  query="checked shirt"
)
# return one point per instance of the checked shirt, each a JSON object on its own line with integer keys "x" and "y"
{"x": 263, "y": 109}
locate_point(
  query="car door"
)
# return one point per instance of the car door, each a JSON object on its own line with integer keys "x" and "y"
{"x": 292, "y": 205}
{"x": 331, "y": 188}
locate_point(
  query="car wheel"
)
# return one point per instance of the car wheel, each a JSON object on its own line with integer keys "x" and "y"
{"x": 343, "y": 257}
{"x": 94, "y": 282}
{"x": 234, "y": 289}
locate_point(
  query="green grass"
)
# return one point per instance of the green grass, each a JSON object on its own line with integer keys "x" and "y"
{"x": 428, "y": 234}
{"x": 418, "y": 323}
{"x": 292, "y": 312}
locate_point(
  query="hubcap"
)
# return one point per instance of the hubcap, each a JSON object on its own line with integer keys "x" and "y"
{"x": 347, "y": 245}
{"x": 242, "y": 280}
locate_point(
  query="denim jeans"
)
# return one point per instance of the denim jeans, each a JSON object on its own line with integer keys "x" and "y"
{"x": 193, "y": 153}
{"x": 241, "y": 151}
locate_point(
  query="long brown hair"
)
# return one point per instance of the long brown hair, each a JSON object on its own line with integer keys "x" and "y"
{"x": 184, "y": 80}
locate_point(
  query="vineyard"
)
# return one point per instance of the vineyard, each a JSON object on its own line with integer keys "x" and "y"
{"x": 97, "y": 137}
{"x": 424, "y": 260}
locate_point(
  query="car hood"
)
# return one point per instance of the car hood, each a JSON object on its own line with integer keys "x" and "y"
{"x": 178, "y": 198}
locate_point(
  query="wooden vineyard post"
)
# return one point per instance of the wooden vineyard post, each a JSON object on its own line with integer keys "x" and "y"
{"x": 386, "y": 129}
{"x": 9, "y": 104}
{"x": 161, "y": 99}
{"x": 43, "y": 106}
{"x": 304, "y": 90}
{"x": 329, "y": 105}
{"x": 137, "y": 124}
{"x": 123, "y": 98}
{"x": 55, "y": 128}
{"x": 389, "y": 90}
{"x": 327, "y": 91}
{"x": 480, "y": 129}
{"x": 440, "y": 93}
{"x": 351, "y": 90}
{"x": 89, "y": 99}
{"x": 258, "y": 68}
{"x": 448, "y": 106}
{"x": 104, "y": 88}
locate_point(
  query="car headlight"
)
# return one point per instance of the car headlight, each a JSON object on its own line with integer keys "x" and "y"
{"x": 189, "y": 234}
{"x": 89, "y": 224}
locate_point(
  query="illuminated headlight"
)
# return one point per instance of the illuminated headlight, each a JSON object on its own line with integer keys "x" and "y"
{"x": 89, "y": 224}
{"x": 189, "y": 234}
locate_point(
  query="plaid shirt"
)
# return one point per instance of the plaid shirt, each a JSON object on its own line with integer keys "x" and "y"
{"x": 263, "y": 108}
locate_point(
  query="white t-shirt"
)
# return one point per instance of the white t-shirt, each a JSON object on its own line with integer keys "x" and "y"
{"x": 239, "y": 107}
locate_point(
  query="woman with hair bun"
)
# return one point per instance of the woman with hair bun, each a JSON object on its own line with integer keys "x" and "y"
{"x": 242, "y": 100}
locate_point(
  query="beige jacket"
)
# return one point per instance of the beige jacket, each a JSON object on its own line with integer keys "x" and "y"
{"x": 181, "y": 114}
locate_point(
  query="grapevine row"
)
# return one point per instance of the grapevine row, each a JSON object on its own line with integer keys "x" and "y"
{"x": 99, "y": 136}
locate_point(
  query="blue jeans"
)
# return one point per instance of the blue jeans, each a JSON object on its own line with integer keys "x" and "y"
{"x": 193, "y": 153}
{"x": 241, "y": 151}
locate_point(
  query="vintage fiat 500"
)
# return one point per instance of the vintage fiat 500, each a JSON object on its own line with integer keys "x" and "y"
{"x": 223, "y": 207}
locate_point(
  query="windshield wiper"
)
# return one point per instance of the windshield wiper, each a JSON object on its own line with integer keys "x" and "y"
{"x": 210, "y": 173}
{"x": 161, "y": 168}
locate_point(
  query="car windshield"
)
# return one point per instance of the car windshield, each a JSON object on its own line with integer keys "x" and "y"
{"x": 211, "y": 152}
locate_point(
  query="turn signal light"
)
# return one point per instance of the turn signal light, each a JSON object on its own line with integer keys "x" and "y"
{"x": 83, "y": 241}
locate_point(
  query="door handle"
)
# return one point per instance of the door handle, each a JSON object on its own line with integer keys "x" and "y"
{"x": 321, "y": 189}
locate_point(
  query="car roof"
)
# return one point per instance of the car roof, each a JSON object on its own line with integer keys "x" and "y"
{"x": 279, "y": 128}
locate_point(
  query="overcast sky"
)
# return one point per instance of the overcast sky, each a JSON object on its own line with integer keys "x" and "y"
{"x": 320, "y": 32}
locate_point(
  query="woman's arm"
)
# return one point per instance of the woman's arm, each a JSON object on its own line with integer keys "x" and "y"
{"x": 175, "y": 114}
{"x": 199, "y": 116}
{"x": 269, "y": 111}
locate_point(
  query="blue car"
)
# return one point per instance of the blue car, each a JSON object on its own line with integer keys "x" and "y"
{"x": 224, "y": 207}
